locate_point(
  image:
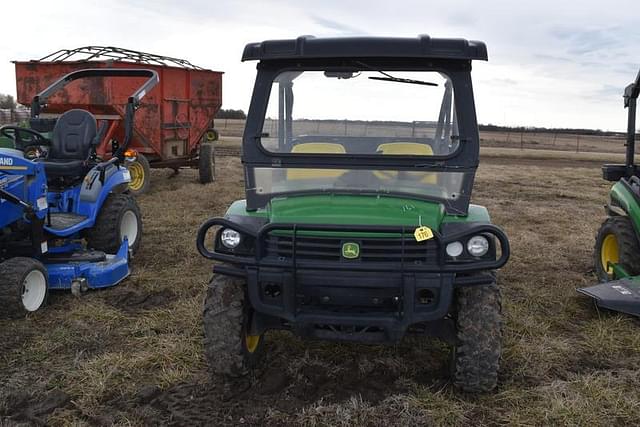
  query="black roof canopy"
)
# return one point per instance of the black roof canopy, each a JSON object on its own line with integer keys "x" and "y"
{"x": 309, "y": 47}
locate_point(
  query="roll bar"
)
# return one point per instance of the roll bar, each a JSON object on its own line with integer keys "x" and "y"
{"x": 631, "y": 93}
{"x": 40, "y": 100}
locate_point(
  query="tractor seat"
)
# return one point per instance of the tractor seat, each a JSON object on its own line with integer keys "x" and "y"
{"x": 71, "y": 144}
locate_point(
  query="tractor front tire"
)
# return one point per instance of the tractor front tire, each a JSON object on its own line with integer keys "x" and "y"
{"x": 119, "y": 217}
{"x": 228, "y": 349}
{"x": 140, "y": 171}
{"x": 616, "y": 242}
{"x": 476, "y": 357}
{"x": 23, "y": 287}
{"x": 207, "y": 163}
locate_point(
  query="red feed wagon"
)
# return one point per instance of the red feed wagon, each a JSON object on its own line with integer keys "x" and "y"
{"x": 174, "y": 125}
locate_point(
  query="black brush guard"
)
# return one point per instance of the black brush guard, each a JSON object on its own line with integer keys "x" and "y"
{"x": 302, "y": 292}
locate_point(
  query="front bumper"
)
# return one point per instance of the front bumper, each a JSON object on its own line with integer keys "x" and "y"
{"x": 347, "y": 300}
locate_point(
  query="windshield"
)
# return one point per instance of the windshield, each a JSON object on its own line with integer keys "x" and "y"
{"x": 367, "y": 112}
{"x": 372, "y": 113}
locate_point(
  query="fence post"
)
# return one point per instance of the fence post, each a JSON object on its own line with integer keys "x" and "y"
{"x": 522, "y": 140}
{"x": 413, "y": 129}
{"x": 577, "y": 143}
{"x": 555, "y": 134}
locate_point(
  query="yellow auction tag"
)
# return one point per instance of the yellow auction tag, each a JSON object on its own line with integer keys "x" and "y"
{"x": 423, "y": 233}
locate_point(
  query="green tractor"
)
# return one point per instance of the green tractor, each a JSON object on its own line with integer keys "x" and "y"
{"x": 617, "y": 248}
{"x": 357, "y": 224}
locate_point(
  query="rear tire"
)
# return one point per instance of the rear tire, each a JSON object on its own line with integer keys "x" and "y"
{"x": 228, "y": 349}
{"x": 476, "y": 358}
{"x": 211, "y": 135}
{"x": 140, "y": 170}
{"x": 207, "y": 163}
{"x": 23, "y": 287}
{"x": 616, "y": 242}
{"x": 119, "y": 217}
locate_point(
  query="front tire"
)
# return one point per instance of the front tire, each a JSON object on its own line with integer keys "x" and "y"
{"x": 119, "y": 217}
{"x": 476, "y": 358}
{"x": 23, "y": 287}
{"x": 228, "y": 348}
{"x": 616, "y": 243}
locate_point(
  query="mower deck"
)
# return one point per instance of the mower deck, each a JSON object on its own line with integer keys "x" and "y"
{"x": 98, "y": 269}
{"x": 621, "y": 295}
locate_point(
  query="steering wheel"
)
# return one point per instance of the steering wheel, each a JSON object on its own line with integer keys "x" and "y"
{"x": 25, "y": 139}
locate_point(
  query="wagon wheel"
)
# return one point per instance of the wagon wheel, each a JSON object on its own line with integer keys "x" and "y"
{"x": 140, "y": 175}
{"x": 207, "y": 163}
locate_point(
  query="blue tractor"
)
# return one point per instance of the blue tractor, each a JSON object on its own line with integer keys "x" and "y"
{"x": 66, "y": 218}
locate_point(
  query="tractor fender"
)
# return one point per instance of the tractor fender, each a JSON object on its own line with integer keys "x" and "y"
{"x": 93, "y": 186}
{"x": 94, "y": 192}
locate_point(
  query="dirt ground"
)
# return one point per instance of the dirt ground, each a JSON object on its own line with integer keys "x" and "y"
{"x": 132, "y": 355}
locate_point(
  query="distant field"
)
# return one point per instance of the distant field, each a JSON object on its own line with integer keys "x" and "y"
{"x": 519, "y": 140}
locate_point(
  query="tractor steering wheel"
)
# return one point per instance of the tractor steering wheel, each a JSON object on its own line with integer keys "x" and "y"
{"x": 24, "y": 139}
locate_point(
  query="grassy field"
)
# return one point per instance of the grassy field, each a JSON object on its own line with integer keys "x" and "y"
{"x": 132, "y": 355}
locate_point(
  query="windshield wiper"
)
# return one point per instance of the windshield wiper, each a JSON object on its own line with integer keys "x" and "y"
{"x": 401, "y": 80}
{"x": 389, "y": 78}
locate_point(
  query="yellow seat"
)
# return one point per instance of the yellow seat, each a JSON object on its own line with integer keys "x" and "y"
{"x": 316, "y": 148}
{"x": 406, "y": 148}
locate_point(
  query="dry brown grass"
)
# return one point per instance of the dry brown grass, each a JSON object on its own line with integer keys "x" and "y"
{"x": 132, "y": 355}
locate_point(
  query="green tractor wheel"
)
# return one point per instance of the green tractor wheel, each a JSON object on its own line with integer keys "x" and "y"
{"x": 616, "y": 243}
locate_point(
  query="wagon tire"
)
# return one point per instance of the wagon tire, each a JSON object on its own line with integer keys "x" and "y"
{"x": 140, "y": 171}
{"x": 119, "y": 217}
{"x": 23, "y": 287}
{"x": 207, "y": 163}
{"x": 476, "y": 357}
{"x": 616, "y": 242}
{"x": 229, "y": 351}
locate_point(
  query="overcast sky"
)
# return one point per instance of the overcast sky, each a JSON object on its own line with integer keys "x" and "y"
{"x": 551, "y": 63}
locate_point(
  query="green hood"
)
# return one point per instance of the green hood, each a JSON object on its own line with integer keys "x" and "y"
{"x": 351, "y": 209}
{"x": 366, "y": 210}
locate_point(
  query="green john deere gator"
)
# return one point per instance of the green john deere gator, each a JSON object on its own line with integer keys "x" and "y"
{"x": 617, "y": 249}
{"x": 357, "y": 223}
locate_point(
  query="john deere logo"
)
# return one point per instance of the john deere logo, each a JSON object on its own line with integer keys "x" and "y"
{"x": 350, "y": 250}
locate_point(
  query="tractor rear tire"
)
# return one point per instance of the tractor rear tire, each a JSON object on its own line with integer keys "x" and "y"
{"x": 140, "y": 171}
{"x": 207, "y": 163}
{"x": 119, "y": 217}
{"x": 476, "y": 357}
{"x": 228, "y": 349}
{"x": 211, "y": 135}
{"x": 23, "y": 287}
{"x": 616, "y": 242}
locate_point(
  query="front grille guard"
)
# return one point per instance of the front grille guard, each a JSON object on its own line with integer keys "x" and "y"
{"x": 442, "y": 266}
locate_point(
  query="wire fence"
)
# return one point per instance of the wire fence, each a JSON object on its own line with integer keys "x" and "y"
{"x": 518, "y": 139}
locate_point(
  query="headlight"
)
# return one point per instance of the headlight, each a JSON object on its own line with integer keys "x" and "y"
{"x": 478, "y": 245}
{"x": 230, "y": 238}
{"x": 454, "y": 249}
